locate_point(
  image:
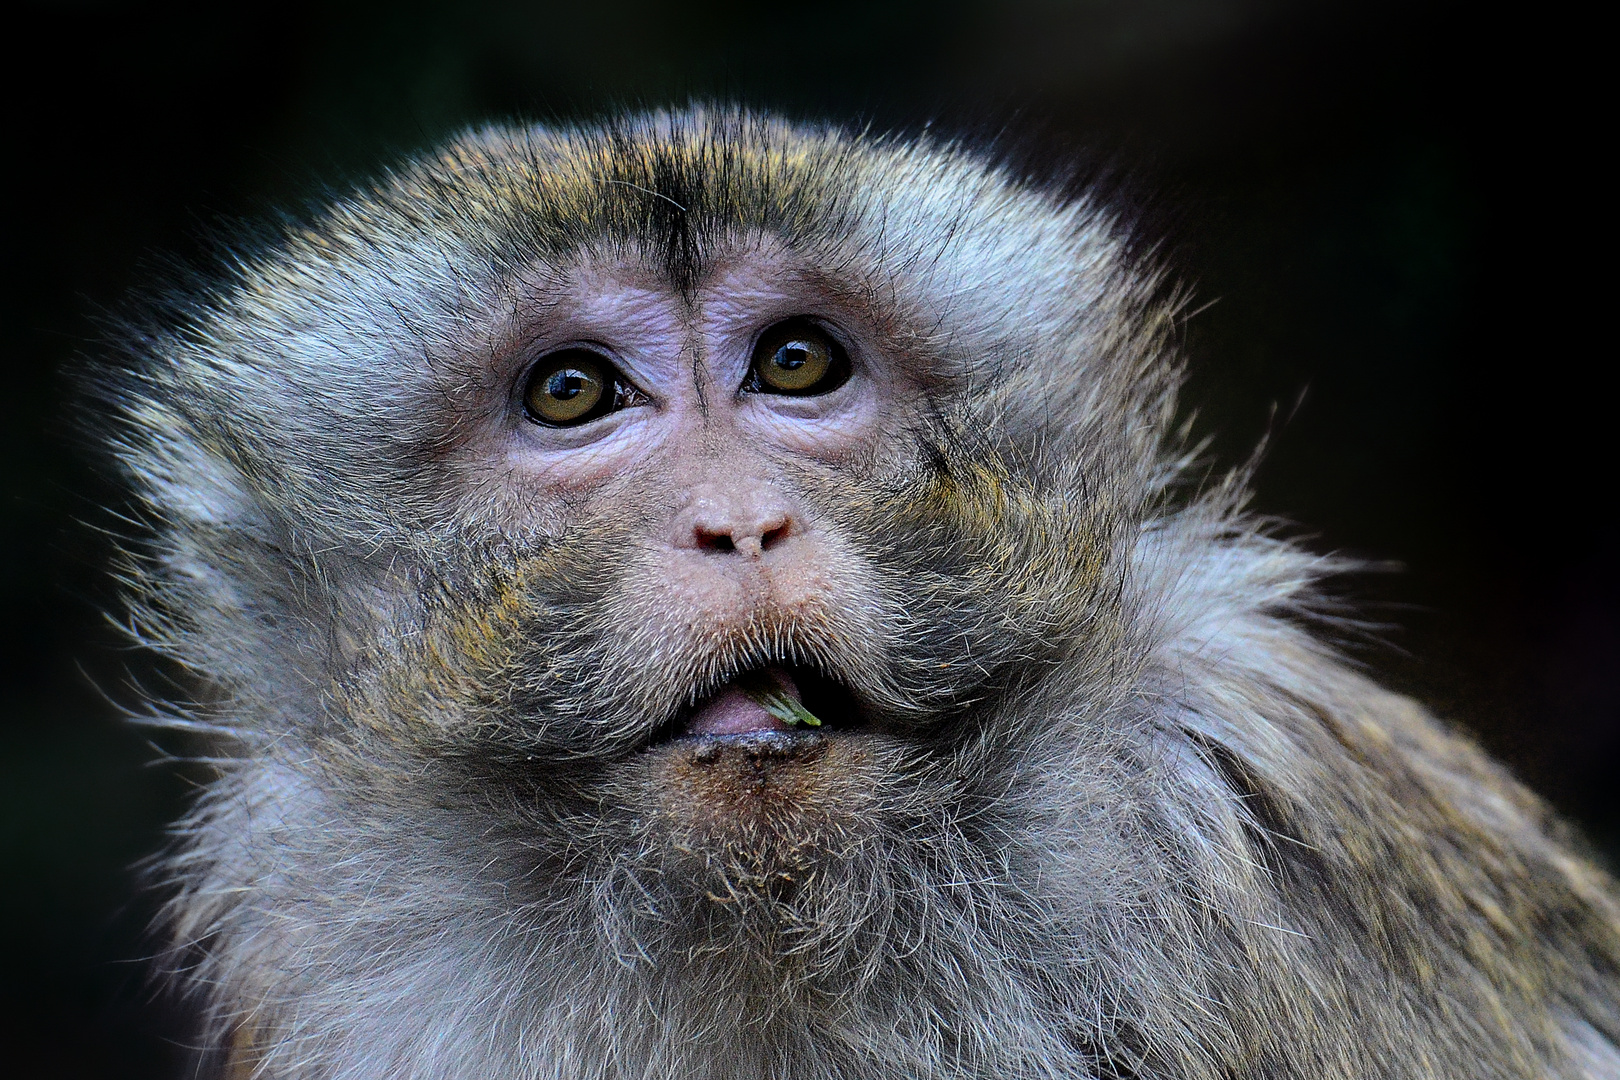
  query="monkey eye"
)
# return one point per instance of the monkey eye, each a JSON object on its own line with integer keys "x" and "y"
{"x": 797, "y": 358}
{"x": 574, "y": 386}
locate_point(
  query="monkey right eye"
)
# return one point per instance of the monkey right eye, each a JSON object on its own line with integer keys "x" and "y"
{"x": 574, "y": 387}
{"x": 799, "y": 359}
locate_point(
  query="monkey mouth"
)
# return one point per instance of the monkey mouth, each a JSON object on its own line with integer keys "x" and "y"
{"x": 769, "y": 700}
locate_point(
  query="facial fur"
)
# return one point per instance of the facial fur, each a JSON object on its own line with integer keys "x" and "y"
{"x": 1089, "y": 800}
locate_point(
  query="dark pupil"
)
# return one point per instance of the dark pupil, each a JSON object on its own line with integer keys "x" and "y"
{"x": 790, "y": 357}
{"x": 566, "y": 384}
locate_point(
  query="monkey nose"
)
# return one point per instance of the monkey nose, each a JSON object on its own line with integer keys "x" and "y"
{"x": 725, "y": 520}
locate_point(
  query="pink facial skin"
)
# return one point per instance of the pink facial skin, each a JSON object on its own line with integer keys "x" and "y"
{"x": 699, "y": 470}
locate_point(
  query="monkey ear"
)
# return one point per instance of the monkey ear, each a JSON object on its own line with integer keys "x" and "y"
{"x": 179, "y": 468}
{"x": 1094, "y": 392}
{"x": 211, "y": 585}
{"x": 1057, "y": 330}
{"x": 194, "y": 488}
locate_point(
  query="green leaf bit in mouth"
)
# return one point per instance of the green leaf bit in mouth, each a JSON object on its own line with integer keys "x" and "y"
{"x": 771, "y": 696}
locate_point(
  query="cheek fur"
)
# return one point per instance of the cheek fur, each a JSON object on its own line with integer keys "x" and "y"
{"x": 914, "y": 598}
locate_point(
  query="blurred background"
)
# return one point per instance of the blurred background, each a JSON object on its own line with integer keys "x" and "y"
{"x": 1391, "y": 209}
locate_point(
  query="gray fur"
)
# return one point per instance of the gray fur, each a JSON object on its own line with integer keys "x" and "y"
{"x": 1145, "y": 823}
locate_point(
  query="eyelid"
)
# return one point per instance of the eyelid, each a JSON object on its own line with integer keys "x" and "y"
{"x": 797, "y": 322}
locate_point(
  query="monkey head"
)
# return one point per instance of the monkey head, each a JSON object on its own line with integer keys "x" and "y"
{"x": 704, "y": 596}
{"x": 485, "y": 498}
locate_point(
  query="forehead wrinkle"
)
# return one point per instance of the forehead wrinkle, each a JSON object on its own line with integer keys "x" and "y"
{"x": 641, "y": 311}
{"x": 759, "y": 277}
{"x": 694, "y": 345}
{"x": 595, "y": 275}
{"x": 647, "y": 297}
{"x": 622, "y": 304}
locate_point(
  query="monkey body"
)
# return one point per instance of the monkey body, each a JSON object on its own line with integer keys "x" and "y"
{"x": 1090, "y": 798}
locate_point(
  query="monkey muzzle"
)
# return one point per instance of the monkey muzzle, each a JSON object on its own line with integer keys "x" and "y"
{"x": 759, "y": 723}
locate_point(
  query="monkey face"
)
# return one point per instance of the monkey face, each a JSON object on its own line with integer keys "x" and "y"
{"x": 577, "y": 684}
{"x": 693, "y": 526}
{"x": 493, "y": 519}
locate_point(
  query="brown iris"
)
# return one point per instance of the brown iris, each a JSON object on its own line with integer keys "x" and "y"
{"x": 570, "y": 387}
{"x": 797, "y": 358}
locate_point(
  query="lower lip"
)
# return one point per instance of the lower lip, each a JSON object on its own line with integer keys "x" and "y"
{"x": 784, "y": 743}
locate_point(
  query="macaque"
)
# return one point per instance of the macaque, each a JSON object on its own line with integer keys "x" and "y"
{"x": 706, "y": 597}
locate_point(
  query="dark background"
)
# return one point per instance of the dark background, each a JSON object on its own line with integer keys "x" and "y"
{"x": 1394, "y": 204}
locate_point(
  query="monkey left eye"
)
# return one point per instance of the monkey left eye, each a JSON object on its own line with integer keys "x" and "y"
{"x": 572, "y": 387}
{"x": 797, "y": 358}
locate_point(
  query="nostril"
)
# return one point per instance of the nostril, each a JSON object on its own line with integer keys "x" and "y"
{"x": 749, "y": 523}
{"x": 773, "y": 536}
{"x": 714, "y": 541}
